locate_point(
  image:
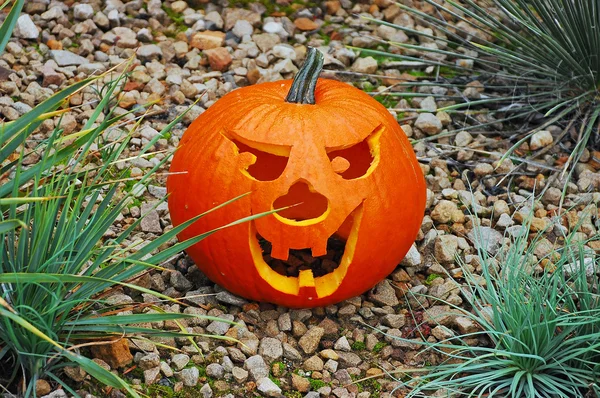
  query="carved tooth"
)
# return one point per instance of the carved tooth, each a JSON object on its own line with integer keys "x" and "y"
{"x": 320, "y": 249}
{"x": 279, "y": 252}
{"x": 306, "y": 278}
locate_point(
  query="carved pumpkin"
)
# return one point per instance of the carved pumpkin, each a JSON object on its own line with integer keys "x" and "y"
{"x": 328, "y": 146}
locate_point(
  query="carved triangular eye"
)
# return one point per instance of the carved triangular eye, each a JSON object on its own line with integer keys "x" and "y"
{"x": 356, "y": 161}
{"x": 267, "y": 166}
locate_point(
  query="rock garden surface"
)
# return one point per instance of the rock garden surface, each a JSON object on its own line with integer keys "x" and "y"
{"x": 183, "y": 52}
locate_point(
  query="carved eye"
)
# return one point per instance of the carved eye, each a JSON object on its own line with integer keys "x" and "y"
{"x": 267, "y": 167}
{"x": 355, "y": 161}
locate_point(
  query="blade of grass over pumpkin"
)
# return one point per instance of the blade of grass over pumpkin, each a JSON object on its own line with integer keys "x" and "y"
{"x": 9, "y": 23}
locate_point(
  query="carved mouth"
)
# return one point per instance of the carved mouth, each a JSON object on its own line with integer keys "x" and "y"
{"x": 317, "y": 277}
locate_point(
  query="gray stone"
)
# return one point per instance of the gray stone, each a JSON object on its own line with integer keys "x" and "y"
{"x": 384, "y": 294}
{"x": 257, "y": 367}
{"x": 267, "y": 387}
{"x": 342, "y": 344}
{"x": 180, "y": 282}
{"x": 428, "y": 123}
{"x": 446, "y": 249}
{"x": 230, "y": 298}
{"x": 291, "y": 353}
{"x": 151, "y": 220}
{"x": 166, "y": 369}
{"x": 394, "y": 320}
{"x": 218, "y": 327}
{"x": 152, "y": 375}
{"x": 215, "y": 371}
{"x": 25, "y": 28}
{"x": 53, "y": 13}
{"x": 364, "y": 65}
{"x": 67, "y": 58}
{"x": 206, "y": 391}
{"x": 190, "y": 376}
{"x": 242, "y": 28}
{"x": 486, "y": 238}
{"x": 149, "y": 52}
{"x": 83, "y": 11}
{"x": 271, "y": 349}
{"x": 180, "y": 361}
{"x": 412, "y": 258}
{"x": 240, "y": 375}
{"x": 151, "y": 360}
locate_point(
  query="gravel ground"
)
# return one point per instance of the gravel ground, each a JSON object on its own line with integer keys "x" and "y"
{"x": 183, "y": 49}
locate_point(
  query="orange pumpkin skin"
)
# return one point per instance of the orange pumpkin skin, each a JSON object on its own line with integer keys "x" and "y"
{"x": 387, "y": 204}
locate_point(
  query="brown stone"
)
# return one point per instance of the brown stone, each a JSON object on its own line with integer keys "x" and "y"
{"x": 306, "y": 24}
{"x": 332, "y": 6}
{"x": 218, "y": 58}
{"x": 207, "y": 40}
{"x": 116, "y": 354}
{"x": 54, "y": 44}
{"x": 42, "y": 387}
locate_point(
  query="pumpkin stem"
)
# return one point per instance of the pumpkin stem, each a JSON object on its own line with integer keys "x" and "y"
{"x": 305, "y": 81}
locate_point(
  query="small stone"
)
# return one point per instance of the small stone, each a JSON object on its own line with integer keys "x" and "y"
{"x": 207, "y": 40}
{"x": 257, "y": 367}
{"x": 442, "y": 333}
{"x": 166, "y": 369}
{"x": 384, "y": 294}
{"x": 540, "y": 140}
{"x": 268, "y": 387}
{"x": 42, "y": 387}
{"x": 206, "y": 391}
{"x": 342, "y": 344}
{"x": 242, "y": 28}
{"x": 446, "y": 211}
{"x": 180, "y": 282}
{"x": 311, "y": 339}
{"x": 218, "y": 58}
{"x": 504, "y": 221}
{"x": 284, "y": 51}
{"x": 446, "y": 249}
{"x": 240, "y": 375}
{"x": 299, "y": 383}
{"x": 116, "y": 354}
{"x": 152, "y": 375}
{"x": 190, "y": 376}
{"x": 483, "y": 169}
{"x": 486, "y": 238}
{"x": 428, "y": 123}
{"x": 428, "y": 104}
{"x": 151, "y": 360}
{"x": 215, "y": 371}
{"x": 412, "y": 258}
{"x": 271, "y": 349}
{"x": 463, "y": 138}
{"x": 25, "y": 28}
{"x": 313, "y": 363}
{"x": 75, "y": 373}
{"x": 148, "y": 52}
{"x": 364, "y": 65}
{"x": 180, "y": 361}
{"x": 83, "y": 11}
{"x": 394, "y": 320}
{"x": 466, "y": 325}
{"x": 67, "y": 58}
{"x": 305, "y": 24}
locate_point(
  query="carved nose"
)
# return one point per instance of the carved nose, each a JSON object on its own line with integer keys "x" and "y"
{"x": 309, "y": 204}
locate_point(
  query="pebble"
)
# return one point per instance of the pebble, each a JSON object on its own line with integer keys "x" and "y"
{"x": 267, "y": 387}
{"x": 311, "y": 339}
{"x": 190, "y": 376}
{"x": 67, "y": 58}
{"x": 541, "y": 139}
{"x": 364, "y": 65}
{"x": 428, "y": 123}
{"x": 25, "y": 28}
{"x": 256, "y": 366}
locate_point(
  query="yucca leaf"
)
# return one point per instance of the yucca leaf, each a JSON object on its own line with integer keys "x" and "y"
{"x": 9, "y": 23}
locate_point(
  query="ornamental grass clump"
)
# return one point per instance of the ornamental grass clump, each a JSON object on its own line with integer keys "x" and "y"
{"x": 58, "y": 263}
{"x": 538, "y": 327}
{"x": 537, "y": 60}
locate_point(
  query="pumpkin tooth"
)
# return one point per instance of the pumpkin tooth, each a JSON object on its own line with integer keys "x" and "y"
{"x": 319, "y": 249}
{"x": 280, "y": 252}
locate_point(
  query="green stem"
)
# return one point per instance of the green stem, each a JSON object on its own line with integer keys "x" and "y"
{"x": 303, "y": 86}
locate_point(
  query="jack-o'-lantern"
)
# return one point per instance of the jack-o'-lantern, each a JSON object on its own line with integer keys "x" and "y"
{"x": 333, "y": 157}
